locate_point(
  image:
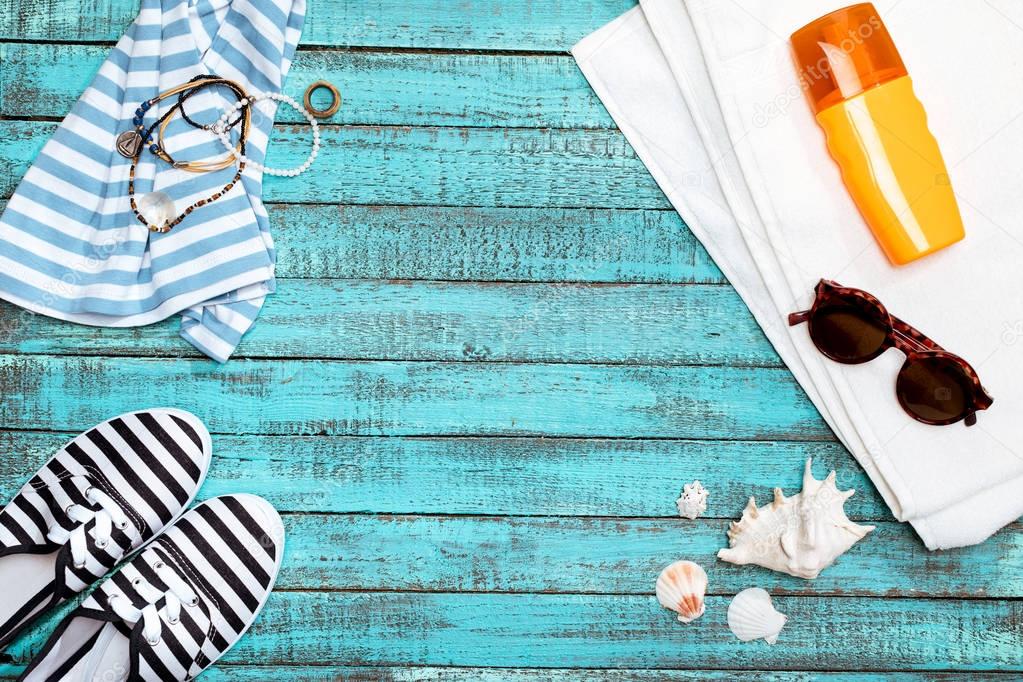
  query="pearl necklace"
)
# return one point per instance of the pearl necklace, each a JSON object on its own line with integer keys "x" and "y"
{"x": 221, "y": 128}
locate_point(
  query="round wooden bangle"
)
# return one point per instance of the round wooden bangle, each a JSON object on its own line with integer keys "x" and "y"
{"x": 335, "y": 103}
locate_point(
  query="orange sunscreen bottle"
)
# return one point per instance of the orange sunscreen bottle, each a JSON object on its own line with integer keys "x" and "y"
{"x": 877, "y": 132}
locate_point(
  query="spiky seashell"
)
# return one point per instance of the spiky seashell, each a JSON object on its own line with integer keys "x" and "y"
{"x": 693, "y": 501}
{"x": 799, "y": 535}
{"x": 680, "y": 587}
{"x": 751, "y": 615}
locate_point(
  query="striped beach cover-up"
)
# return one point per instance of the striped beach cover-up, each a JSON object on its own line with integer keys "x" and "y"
{"x": 70, "y": 246}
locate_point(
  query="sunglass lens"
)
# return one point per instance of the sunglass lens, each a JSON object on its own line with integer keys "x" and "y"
{"x": 933, "y": 389}
{"x": 847, "y": 333}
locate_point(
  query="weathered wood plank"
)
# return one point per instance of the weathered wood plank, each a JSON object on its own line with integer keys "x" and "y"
{"x": 379, "y": 88}
{"x": 419, "y": 398}
{"x": 475, "y": 24}
{"x": 615, "y": 556}
{"x": 373, "y": 320}
{"x": 497, "y": 630}
{"x": 427, "y": 166}
{"x": 487, "y": 244}
{"x": 242, "y": 673}
{"x": 491, "y": 476}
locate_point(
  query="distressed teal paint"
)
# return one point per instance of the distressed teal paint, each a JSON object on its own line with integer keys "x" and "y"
{"x": 613, "y": 556}
{"x": 378, "y": 88}
{"x": 239, "y": 673}
{"x": 428, "y": 166}
{"x": 487, "y": 244}
{"x": 486, "y": 476}
{"x": 480, "y": 387}
{"x": 455, "y": 322}
{"x": 559, "y": 630}
{"x": 413, "y": 398}
{"x": 551, "y": 25}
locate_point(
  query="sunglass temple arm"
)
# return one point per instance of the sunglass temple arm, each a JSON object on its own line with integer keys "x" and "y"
{"x": 798, "y": 318}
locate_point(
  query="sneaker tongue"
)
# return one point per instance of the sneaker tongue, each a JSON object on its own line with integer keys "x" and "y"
{"x": 114, "y": 652}
{"x": 110, "y": 656}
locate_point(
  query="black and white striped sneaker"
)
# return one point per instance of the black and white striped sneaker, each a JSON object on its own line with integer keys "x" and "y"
{"x": 176, "y": 607}
{"x": 100, "y": 498}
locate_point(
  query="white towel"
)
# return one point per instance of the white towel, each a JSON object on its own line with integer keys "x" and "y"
{"x": 749, "y": 172}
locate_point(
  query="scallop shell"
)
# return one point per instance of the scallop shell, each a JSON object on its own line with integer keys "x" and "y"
{"x": 693, "y": 501}
{"x": 799, "y": 535}
{"x": 751, "y": 615}
{"x": 681, "y": 587}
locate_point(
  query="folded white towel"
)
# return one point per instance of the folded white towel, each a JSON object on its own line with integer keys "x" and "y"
{"x": 749, "y": 172}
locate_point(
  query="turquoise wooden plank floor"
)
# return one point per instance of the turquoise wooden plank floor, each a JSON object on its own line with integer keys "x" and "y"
{"x": 494, "y": 357}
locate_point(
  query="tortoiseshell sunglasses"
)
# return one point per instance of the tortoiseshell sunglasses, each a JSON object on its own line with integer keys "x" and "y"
{"x": 934, "y": 386}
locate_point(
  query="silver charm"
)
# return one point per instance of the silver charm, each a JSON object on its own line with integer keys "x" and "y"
{"x": 128, "y": 144}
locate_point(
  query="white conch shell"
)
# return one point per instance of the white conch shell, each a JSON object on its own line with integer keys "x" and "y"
{"x": 799, "y": 535}
{"x": 751, "y": 615}
{"x": 680, "y": 587}
{"x": 693, "y": 501}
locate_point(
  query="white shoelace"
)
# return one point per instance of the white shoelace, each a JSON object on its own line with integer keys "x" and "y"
{"x": 178, "y": 592}
{"x": 109, "y": 516}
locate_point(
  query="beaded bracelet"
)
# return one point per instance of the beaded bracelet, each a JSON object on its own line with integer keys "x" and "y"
{"x": 160, "y": 148}
{"x": 159, "y": 198}
{"x": 130, "y": 142}
{"x": 133, "y": 147}
{"x": 222, "y": 126}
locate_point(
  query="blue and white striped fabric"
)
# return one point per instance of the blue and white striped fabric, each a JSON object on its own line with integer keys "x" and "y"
{"x": 71, "y": 248}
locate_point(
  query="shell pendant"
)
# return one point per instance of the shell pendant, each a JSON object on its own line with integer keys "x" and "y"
{"x": 158, "y": 210}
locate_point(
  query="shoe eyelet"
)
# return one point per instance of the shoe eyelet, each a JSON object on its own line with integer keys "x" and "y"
{"x": 174, "y": 621}
{"x": 136, "y": 583}
{"x": 102, "y": 545}
{"x": 158, "y": 565}
{"x": 153, "y": 642}
{"x": 194, "y": 602}
{"x": 79, "y": 566}
{"x": 121, "y": 526}
{"x": 88, "y": 493}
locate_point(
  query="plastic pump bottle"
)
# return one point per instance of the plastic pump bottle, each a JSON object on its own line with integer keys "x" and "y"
{"x": 877, "y": 132}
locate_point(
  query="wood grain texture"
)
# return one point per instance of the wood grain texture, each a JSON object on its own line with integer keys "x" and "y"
{"x": 480, "y": 387}
{"x": 427, "y": 166}
{"x": 614, "y": 556}
{"x": 521, "y": 25}
{"x": 630, "y": 631}
{"x": 493, "y": 476}
{"x": 242, "y": 673}
{"x": 487, "y": 244}
{"x": 418, "y": 398}
{"x": 453, "y": 322}
{"x": 378, "y": 87}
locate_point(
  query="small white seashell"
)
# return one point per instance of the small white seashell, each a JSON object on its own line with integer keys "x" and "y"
{"x": 681, "y": 587}
{"x": 799, "y": 535}
{"x": 693, "y": 501}
{"x": 751, "y": 615}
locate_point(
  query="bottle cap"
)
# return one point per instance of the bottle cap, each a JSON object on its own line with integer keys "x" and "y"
{"x": 844, "y": 53}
